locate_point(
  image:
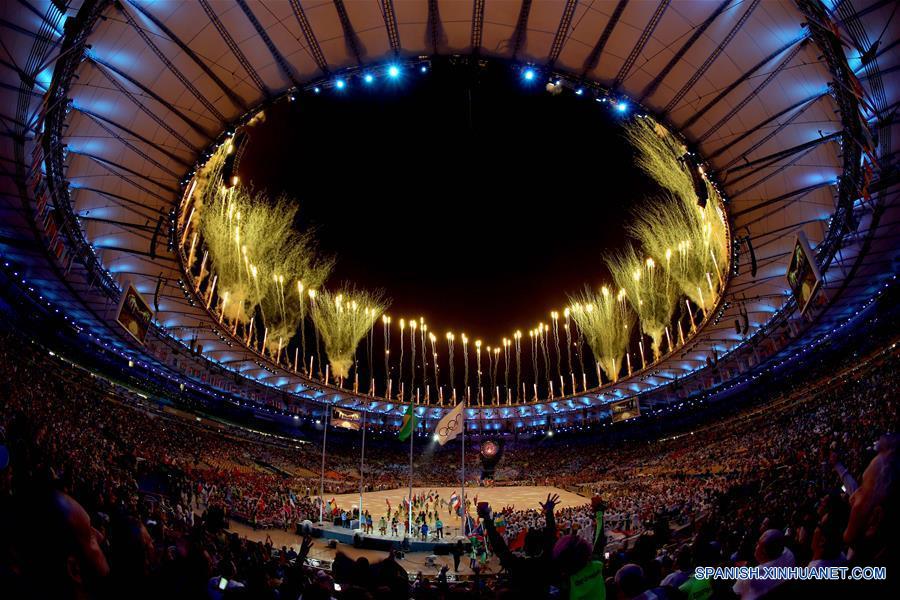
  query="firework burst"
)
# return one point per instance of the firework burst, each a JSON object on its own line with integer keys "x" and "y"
{"x": 688, "y": 240}
{"x": 257, "y": 255}
{"x": 648, "y": 289}
{"x": 682, "y": 240}
{"x": 606, "y": 322}
{"x": 343, "y": 318}
{"x": 657, "y": 153}
{"x": 263, "y": 273}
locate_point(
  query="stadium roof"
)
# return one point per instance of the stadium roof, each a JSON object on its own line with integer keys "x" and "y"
{"x": 792, "y": 104}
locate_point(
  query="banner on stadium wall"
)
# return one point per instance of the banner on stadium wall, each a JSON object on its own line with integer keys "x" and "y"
{"x": 348, "y": 419}
{"x": 625, "y": 409}
{"x": 134, "y": 314}
{"x": 753, "y": 358}
{"x": 803, "y": 275}
{"x": 728, "y": 372}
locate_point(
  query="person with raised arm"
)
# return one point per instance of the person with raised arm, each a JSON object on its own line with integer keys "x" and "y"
{"x": 530, "y": 576}
{"x": 579, "y": 563}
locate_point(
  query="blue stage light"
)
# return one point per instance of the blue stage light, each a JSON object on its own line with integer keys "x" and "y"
{"x": 528, "y": 74}
{"x": 393, "y": 71}
{"x": 368, "y": 78}
{"x": 423, "y": 69}
{"x": 317, "y": 89}
{"x": 579, "y": 92}
{"x": 340, "y": 84}
{"x": 622, "y": 106}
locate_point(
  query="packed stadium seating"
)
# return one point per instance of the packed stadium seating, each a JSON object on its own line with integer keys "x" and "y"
{"x": 159, "y": 486}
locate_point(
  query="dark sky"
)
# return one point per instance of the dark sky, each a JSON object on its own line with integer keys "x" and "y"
{"x": 480, "y": 228}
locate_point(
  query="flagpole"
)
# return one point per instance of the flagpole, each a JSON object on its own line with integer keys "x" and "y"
{"x": 463, "y": 516}
{"x": 412, "y": 435}
{"x": 322, "y": 479}
{"x": 362, "y": 459}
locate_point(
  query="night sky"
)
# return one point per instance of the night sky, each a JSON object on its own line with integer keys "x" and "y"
{"x": 481, "y": 228}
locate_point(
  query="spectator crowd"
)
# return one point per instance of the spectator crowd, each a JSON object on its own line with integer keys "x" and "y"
{"x": 107, "y": 495}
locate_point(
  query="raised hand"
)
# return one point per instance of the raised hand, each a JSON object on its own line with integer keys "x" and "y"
{"x": 306, "y": 546}
{"x": 550, "y": 504}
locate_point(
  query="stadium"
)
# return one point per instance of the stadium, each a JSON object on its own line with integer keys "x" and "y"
{"x": 449, "y": 299}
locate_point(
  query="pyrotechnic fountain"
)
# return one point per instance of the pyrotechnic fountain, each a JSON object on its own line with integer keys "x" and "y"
{"x": 262, "y": 278}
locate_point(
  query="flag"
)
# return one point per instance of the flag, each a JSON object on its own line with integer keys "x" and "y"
{"x": 473, "y": 529}
{"x": 450, "y": 425}
{"x": 598, "y": 525}
{"x": 409, "y": 424}
{"x": 518, "y": 542}
{"x": 500, "y": 524}
{"x": 454, "y": 502}
{"x": 868, "y": 175}
{"x": 468, "y": 526}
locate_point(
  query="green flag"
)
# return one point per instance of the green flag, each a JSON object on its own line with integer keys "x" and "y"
{"x": 409, "y": 424}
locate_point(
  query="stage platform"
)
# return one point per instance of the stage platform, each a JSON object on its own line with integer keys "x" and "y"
{"x": 321, "y": 555}
{"x": 517, "y": 497}
{"x": 384, "y": 543}
{"x": 417, "y": 559}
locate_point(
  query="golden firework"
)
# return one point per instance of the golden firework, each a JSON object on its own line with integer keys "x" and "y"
{"x": 648, "y": 289}
{"x": 343, "y": 318}
{"x": 606, "y": 322}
